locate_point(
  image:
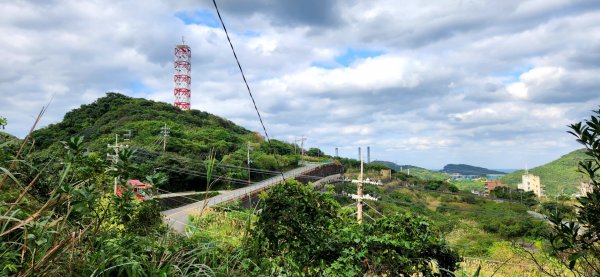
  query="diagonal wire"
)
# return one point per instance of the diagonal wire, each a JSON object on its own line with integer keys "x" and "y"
{"x": 246, "y": 82}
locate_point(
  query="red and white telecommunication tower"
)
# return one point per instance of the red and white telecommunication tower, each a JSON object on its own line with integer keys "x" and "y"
{"x": 182, "y": 78}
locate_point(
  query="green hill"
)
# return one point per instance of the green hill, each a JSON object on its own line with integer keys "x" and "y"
{"x": 420, "y": 172}
{"x": 556, "y": 175}
{"x": 9, "y": 145}
{"x": 466, "y": 169}
{"x": 193, "y": 135}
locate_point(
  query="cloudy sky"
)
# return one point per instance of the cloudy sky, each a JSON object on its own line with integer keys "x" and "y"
{"x": 489, "y": 83}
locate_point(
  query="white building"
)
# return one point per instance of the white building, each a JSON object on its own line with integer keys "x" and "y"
{"x": 585, "y": 188}
{"x": 531, "y": 182}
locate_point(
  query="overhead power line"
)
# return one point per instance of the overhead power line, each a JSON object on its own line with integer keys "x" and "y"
{"x": 145, "y": 153}
{"x": 246, "y": 82}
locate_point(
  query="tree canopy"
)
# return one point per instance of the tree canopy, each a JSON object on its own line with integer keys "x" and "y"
{"x": 577, "y": 241}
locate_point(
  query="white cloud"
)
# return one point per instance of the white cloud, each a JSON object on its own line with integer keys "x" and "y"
{"x": 495, "y": 76}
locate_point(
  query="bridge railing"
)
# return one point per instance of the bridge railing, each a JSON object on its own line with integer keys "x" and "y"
{"x": 260, "y": 186}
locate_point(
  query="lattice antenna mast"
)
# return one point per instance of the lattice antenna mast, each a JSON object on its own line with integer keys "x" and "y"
{"x": 182, "y": 78}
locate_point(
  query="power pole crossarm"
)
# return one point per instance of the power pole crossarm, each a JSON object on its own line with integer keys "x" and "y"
{"x": 115, "y": 158}
{"x": 302, "y": 139}
{"x": 164, "y": 131}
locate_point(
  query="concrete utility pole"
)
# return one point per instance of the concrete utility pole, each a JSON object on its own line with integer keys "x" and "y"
{"x": 359, "y": 188}
{"x": 248, "y": 160}
{"x": 359, "y": 154}
{"x": 368, "y": 154}
{"x": 115, "y": 158}
{"x": 302, "y": 139}
{"x": 164, "y": 131}
{"x": 294, "y": 143}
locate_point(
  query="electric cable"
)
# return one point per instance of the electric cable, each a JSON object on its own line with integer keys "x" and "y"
{"x": 245, "y": 82}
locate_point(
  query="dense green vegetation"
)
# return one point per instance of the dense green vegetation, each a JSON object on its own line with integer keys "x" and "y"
{"x": 524, "y": 197}
{"x": 322, "y": 238}
{"x": 468, "y": 185}
{"x": 557, "y": 177}
{"x": 193, "y": 135}
{"x": 466, "y": 169}
{"x": 61, "y": 217}
{"x": 82, "y": 228}
{"x": 477, "y": 227}
{"x": 576, "y": 239}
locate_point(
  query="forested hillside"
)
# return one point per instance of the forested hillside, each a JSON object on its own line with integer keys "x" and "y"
{"x": 466, "y": 169}
{"x": 192, "y": 136}
{"x": 555, "y": 176}
{"x": 9, "y": 145}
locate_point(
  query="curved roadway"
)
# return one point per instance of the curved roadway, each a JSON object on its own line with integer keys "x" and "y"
{"x": 178, "y": 218}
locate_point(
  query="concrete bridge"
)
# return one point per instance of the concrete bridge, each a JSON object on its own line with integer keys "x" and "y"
{"x": 178, "y": 218}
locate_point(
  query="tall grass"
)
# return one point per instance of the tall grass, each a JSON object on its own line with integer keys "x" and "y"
{"x": 80, "y": 228}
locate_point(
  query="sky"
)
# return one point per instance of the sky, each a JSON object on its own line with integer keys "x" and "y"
{"x": 427, "y": 83}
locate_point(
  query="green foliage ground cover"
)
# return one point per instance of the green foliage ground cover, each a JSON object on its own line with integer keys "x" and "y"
{"x": 119, "y": 236}
{"x": 468, "y": 185}
{"x": 60, "y": 217}
{"x": 476, "y": 227}
{"x": 321, "y": 238}
{"x": 557, "y": 177}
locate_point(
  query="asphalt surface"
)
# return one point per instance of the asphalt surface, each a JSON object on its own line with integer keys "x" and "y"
{"x": 178, "y": 218}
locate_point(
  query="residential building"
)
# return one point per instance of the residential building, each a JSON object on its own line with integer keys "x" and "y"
{"x": 585, "y": 188}
{"x": 492, "y": 184}
{"x": 531, "y": 182}
{"x": 386, "y": 173}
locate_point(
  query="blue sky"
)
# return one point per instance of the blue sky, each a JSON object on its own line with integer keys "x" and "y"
{"x": 488, "y": 83}
{"x": 352, "y": 55}
{"x": 198, "y": 17}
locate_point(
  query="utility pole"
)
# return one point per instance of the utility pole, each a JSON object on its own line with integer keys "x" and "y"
{"x": 294, "y": 143}
{"x": 164, "y": 131}
{"x": 115, "y": 158}
{"x": 302, "y": 139}
{"x": 359, "y": 203}
{"x": 336, "y": 152}
{"x": 248, "y": 160}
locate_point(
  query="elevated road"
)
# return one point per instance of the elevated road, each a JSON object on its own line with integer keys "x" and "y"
{"x": 178, "y": 218}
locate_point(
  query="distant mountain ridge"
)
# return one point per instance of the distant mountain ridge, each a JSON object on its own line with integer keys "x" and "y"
{"x": 466, "y": 169}
{"x": 420, "y": 172}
